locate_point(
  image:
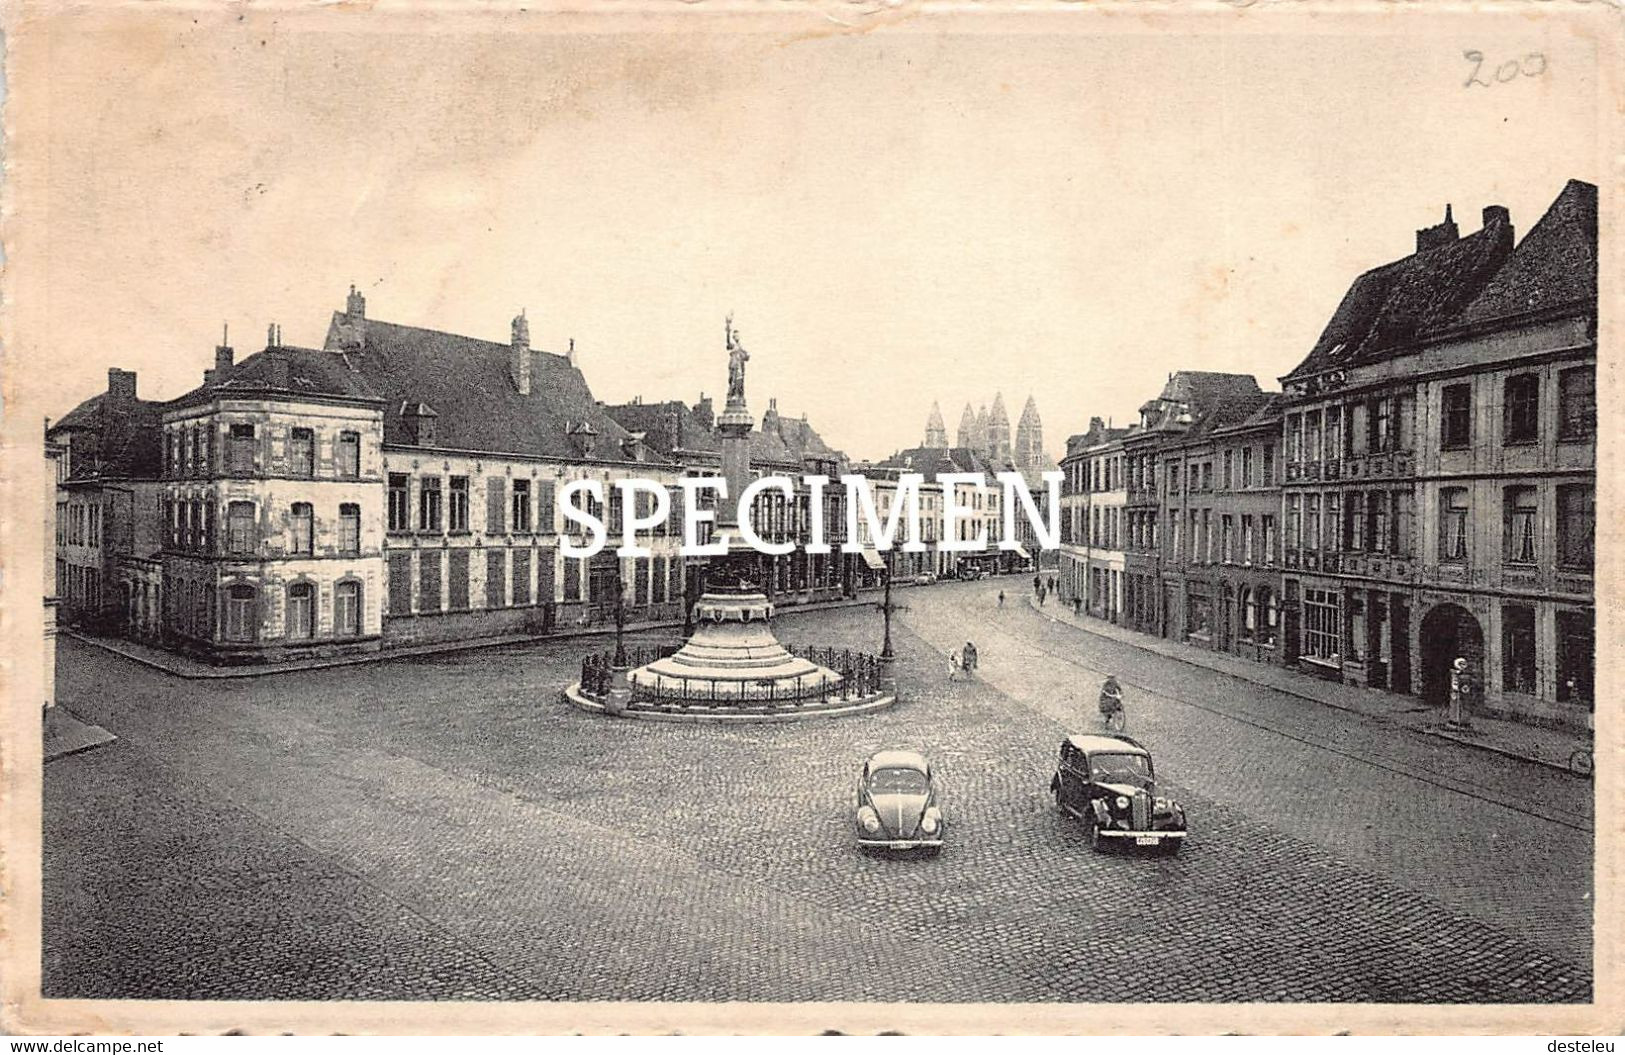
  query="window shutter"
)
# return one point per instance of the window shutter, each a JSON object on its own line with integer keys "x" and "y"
{"x": 544, "y": 507}
{"x": 495, "y": 505}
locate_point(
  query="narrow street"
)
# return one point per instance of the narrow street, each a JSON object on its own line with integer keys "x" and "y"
{"x": 446, "y": 828}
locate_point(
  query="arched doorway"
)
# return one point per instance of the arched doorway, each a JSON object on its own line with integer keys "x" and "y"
{"x": 1449, "y": 631}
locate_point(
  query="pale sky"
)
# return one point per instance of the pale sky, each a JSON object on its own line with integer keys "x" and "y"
{"x": 894, "y": 218}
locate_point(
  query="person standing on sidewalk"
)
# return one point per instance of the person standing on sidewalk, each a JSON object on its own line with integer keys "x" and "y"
{"x": 969, "y": 660}
{"x": 1001, "y": 598}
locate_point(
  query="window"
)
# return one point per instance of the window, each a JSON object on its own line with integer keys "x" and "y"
{"x": 1268, "y": 521}
{"x": 1247, "y": 468}
{"x": 1209, "y": 541}
{"x": 400, "y": 503}
{"x": 1453, "y": 524}
{"x": 496, "y": 506}
{"x": 1456, "y": 427}
{"x": 1294, "y": 523}
{"x": 1576, "y": 659}
{"x": 1576, "y": 525}
{"x": 302, "y": 453}
{"x": 1381, "y": 425}
{"x": 1269, "y": 614}
{"x": 348, "y": 454}
{"x": 1322, "y": 624}
{"x": 1229, "y": 480}
{"x": 1518, "y": 525}
{"x": 1577, "y": 403}
{"x": 1377, "y": 517}
{"x": 301, "y": 621}
{"x": 242, "y": 450}
{"x": 349, "y": 529}
{"x": 1294, "y": 437}
{"x": 240, "y": 614}
{"x": 1246, "y": 539}
{"x": 457, "y": 508}
{"x": 1226, "y": 531}
{"x": 1173, "y": 478}
{"x": 429, "y": 504}
{"x": 1333, "y": 522}
{"x": 1518, "y": 649}
{"x": 400, "y": 584}
{"x": 240, "y": 528}
{"x": 1311, "y": 436}
{"x": 1207, "y": 476}
{"x": 347, "y": 609}
{"x": 1354, "y": 524}
{"x": 1334, "y": 433}
{"x": 1521, "y": 409}
{"x": 496, "y": 577}
{"x": 304, "y": 528}
{"x": 1311, "y": 522}
{"x": 206, "y": 540}
{"x": 1269, "y": 465}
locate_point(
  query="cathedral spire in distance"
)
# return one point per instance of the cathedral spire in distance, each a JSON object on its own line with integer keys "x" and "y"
{"x": 936, "y": 433}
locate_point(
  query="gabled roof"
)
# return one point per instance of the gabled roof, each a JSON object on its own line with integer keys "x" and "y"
{"x": 1389, "y": 307}
{"x": 467, "y": 381}
{"x": 285, "y": 370}
{"x": 1555, "y": 266}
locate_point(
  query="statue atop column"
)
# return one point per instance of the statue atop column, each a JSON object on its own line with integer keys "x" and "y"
{"x": 737, "y": 358}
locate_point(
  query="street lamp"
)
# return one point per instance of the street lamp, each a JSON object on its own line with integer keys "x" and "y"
{"x": 887, "y": 607}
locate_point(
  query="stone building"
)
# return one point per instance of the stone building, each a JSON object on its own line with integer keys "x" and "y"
{"x": 107, "y": 496}
{"x": 1245, "y": 578}
{"x": 478, "y": 440}
{"x": 1439, "y": 501}
{"x": 1095, "y": 523}
{"x": 272, "y": 509}
{"x": 985, "y": 517}
{"x": 1200, "y": 507}
{"x": 688, "y": 437}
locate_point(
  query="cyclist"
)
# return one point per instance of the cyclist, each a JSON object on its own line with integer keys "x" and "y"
{"x": 1111, "y": 704}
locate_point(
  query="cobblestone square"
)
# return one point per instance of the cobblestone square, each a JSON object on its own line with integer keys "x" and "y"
{"x": 448, "y": 828}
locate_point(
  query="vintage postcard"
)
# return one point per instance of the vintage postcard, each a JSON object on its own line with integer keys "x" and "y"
{"x": 1060, "y": 518}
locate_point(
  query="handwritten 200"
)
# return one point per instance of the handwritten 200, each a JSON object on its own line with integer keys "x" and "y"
{"x": 1530, "y": 65}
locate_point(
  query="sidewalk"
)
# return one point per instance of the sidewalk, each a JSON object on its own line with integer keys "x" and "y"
{"x": 187, "y": 667}
{"x": 66, "y": 734}
{"x": 1547, "y": 747}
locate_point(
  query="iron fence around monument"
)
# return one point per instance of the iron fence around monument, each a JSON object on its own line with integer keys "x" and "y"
{"x": 860, "y": 679}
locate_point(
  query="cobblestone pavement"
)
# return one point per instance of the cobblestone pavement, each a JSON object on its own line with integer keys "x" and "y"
{"x": 446, "y": 828}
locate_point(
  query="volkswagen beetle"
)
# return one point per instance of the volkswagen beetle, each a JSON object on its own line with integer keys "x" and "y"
{"x": 1108, "y": 783}
{"x": 897, "y": 804}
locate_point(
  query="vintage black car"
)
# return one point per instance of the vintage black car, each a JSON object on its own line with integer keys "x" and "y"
{"x": 897, "y": 804}
{"x": 1107, "y": 781}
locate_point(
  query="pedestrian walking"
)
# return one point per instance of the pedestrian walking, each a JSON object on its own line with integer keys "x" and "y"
{"x": 1038, "y": 584}
{"x": 969, "y": 659}
{"x": 953, "y": 666}
{"x": 1001, "y": 598}
{"x": 1077, "y": 606}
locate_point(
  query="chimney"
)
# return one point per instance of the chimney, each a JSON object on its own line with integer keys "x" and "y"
{"x": 570, "y": 356}
{"x": 276, "y": 367}
{"x": 1439, "y": 234}
{"x": 519, "y": 356}
{"x": 1096, "y": 425}
{"x": 224, "y": 355}
{"x": 120, "y": 387}
{"x": 355, "y": 305}
{"x": 1498, "y": 221}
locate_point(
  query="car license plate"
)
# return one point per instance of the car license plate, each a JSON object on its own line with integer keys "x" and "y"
{"x": 1146, "y": 840}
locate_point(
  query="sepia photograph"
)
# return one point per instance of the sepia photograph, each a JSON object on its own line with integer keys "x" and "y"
{"x": 850, "y": 517}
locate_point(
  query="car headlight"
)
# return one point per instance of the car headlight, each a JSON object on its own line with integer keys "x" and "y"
{"x": 869, "y": 819}
{"x": 1122, "y": 802}
{"x": 931, "y": 822}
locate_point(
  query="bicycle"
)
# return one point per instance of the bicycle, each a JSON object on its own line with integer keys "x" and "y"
{"x": 1112, "y": 714}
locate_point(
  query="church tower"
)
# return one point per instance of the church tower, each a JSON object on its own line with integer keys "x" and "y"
{"x": 998, "y": 432}
{"x": 1030, "y": 440}
{"x": 936, "y": 433}
{"x": 967, "y": 428}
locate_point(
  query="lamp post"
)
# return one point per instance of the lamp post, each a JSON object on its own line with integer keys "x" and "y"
{"x": 888, "y": 658}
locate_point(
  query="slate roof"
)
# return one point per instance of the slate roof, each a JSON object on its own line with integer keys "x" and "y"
{"x": 1267, "y": 414}
{"x": 285, "y": 370}
{"x": 466, "y": 381}
{"x": 1390, "y": 307}
{"x": 780, "y": 442}
{"x": 128, "y": 446}
{"x": 930, "y": 461}
{"x": 1555, "y": 265}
